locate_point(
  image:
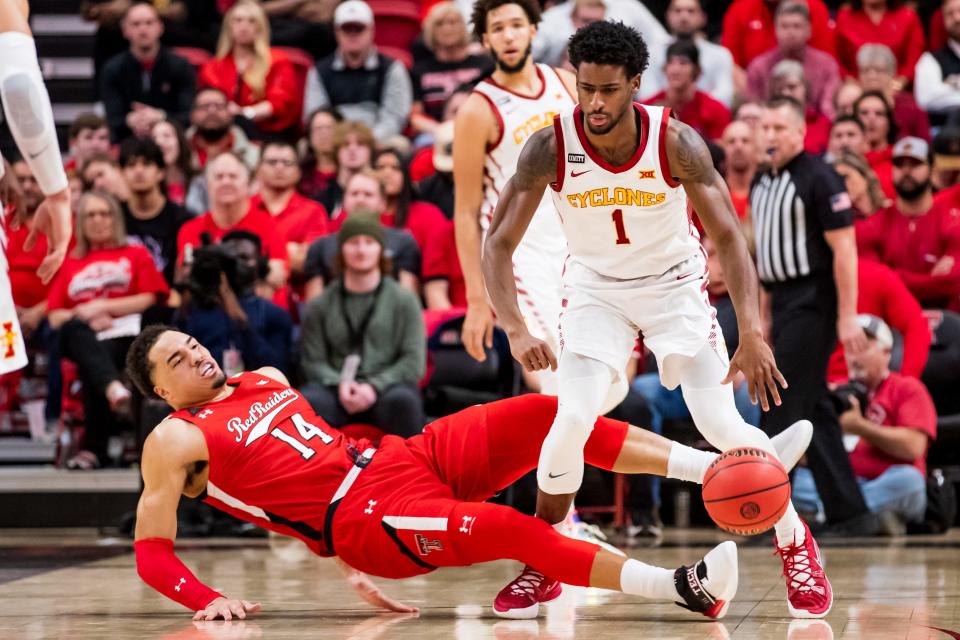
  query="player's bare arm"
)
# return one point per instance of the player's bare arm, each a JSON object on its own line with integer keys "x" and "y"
{"x": 474, "y": 128}
{"x": 536, "y": 169}
{"x": 690, "y": 161}
{"x": 173, "y": 464}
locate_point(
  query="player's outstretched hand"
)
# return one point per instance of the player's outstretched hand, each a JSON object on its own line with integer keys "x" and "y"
{"x": 477, "y": 331}
{"x": 533, "y": 353}
{"x": 228, "y": 609}
{"x": 53, "y": 220}
{"x": 755, "y": 360}
{"x": 372, "y": 595}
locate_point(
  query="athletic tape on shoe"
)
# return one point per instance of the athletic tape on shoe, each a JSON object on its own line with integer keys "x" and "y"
{"x": 26, "y": 105}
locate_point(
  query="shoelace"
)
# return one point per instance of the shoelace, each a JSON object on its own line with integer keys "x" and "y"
{"x": 527, "y": 583}
{"x": 798, "y": 569}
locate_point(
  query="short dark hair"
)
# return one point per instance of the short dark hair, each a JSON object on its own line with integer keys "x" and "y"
{"x": 204, "y": 90}
{"x": 481, "y": 8}
{"x": 891, "y": 123}
{"x": 612, "y": 43}
{"x": 139, "y": 367}
{"x": 851, "y": 119}
{"x": 282, "y": 144}
{"x": 141, "y": 149}
{"x": 83, "y": 122}
{"x": 243, "y": 234}
{"x": 794, "y": 8}
{"x": 786, "y": 101}
{"x": 684, "y": 48}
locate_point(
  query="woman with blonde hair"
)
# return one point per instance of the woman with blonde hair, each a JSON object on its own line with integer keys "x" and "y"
{"x": 863, "y": 186}
{"x": 259, "y": 80}
{"x": 449, "y": 65}
{"x": 95, "y": 301}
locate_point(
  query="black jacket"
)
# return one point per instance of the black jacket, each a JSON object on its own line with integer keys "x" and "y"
{"x": 170, "y": 85}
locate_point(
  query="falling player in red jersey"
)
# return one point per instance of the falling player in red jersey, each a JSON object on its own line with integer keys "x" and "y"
{"x": 252, "y": 446}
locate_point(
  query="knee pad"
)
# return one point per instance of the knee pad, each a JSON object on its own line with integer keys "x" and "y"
{"x": 618, "y": 391}
{"x": 560, "y": 470}
{"x": 27, "y": 108}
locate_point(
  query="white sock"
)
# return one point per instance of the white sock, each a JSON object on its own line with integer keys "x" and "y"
{"x": 790, "y": 528}
{"x": 688, "y": 464}
{"x": 639, "y": 579}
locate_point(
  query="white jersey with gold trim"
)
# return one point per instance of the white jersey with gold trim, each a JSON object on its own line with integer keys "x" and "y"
{"x": 622, "y": 222}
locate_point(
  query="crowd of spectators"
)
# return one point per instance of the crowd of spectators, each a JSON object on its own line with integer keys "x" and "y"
{"x": 275, "y": 178}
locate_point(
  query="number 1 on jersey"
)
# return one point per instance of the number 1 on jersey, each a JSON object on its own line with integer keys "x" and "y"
{"x": 621, "y": 230}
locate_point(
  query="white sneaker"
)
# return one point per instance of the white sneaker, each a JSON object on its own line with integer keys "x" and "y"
{"x": 792, "y": 443}
{"x": 708, "y": 586}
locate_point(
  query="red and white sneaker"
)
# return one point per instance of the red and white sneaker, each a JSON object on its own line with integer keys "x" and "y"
{"x": 520, "y": 600}
{"x": 809, "y": 594}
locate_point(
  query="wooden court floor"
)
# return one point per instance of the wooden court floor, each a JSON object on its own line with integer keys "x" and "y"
{"x": 77, "y": 585}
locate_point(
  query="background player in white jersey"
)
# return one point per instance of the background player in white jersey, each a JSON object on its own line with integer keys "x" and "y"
{"x": 26, "y": 106}
{"x": 620, "y": 175}
{"x": 491, "y": 127}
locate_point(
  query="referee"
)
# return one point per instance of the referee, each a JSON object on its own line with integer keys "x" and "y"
{"x": 807, "y": 261}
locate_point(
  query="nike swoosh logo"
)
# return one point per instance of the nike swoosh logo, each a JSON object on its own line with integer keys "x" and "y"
{"x": 550, "y": 475}
{"x": 34, "y": 156}
{"x": 577, "y": 174}
{"x": 264, "y": 425}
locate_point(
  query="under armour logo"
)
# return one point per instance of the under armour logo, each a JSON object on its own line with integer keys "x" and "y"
{"x": 370, "y": 505}
{"x": 182, "y": 582}
{"x": 262, "y": 382}
{"x": 467, "y": 525}
{"x": 205, "y": 413}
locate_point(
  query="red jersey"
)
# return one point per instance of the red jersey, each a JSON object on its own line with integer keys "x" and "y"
{"x": 28, "y": 290}
{"x": 818, "y": 132}
{"x": 949, "y": 197}
{"x": 106, "y": 273}
{"x": 708, "y": 116}
{"x": 899, "y": 29}
{"x": 301, "y": 220}
{"x": 899, "y": 401}
{"x": 272, "y": 461}
{"x": 748, "y": 29}
{"x": 256, "y": 221}
{"x": 882, "y": 164}
{"x": 912, "y": 245}
{"x": 282, "y": 90}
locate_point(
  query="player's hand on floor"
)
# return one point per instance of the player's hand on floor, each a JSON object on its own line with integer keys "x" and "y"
{"x": 477, "y": 331}
{"x": 372, "y": 595}
{"x": 228, "y": 609}
{"x": 755, "y": 360}
{"x": 533, "y": 353}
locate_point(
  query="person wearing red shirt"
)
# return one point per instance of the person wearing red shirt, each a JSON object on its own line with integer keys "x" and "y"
{"x": 881, "y": 22}
{"x": 917, "y": 238}
{"x": 877, "y": 67}
{"x": 228, "y": 180}
{"x": 692, "y": 106}
{"x": 265, "y": 93}
{"x": 889, "y": 436}
{"x": 739, "y": 144}
{"x": 95, "y": 301}
{"x": 319, "y": 166}
{"x": 298, "y": 220}
{"x": 880, "y": 131}
{"x": 788, "y": 80}
{"x": 881, "y": 293}
{"x": 748, "y": 29}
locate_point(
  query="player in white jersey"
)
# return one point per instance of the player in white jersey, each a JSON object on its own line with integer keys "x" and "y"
{"x": 501, "y": 114}
{"x": 26, "y": 106}
{"x": 620, "y": 175}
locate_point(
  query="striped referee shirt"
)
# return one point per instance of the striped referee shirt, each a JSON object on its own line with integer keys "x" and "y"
{"x": 791, "y": 209}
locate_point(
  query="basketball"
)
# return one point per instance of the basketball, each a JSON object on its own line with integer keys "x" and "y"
{"x": 746, "y": 491}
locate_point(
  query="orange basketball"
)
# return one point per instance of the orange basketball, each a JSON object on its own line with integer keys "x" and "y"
{"x": 746, "y": 491}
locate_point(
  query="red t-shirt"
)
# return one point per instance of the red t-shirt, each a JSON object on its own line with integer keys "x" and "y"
{"x": 741, "y": 203}
{"x": 708, "y": 116}
{"x": 881, "y": 293}
{"x": 949, "y": 197}
{"x": 28, "y": 290}
{"x": 427, "y": 224}
{"x": 818, "y": 132}
{"x": 106, "y": 273}
{"x": 910, "y": 118}
{"x": 938, "y": 31}
{"x": 302, "y": 220}
{"x": 882, "y": 164}
{"x": 899, "y": 29}
{"x": 447, "y": 266}
{"x": 912, "y": 245}
{"x": 282, "y": 90}
{"x": 899, "y": 401}
{"x": 748, "y": 29}
{"x": 256, "y": 221}
{"x": 421, "y": 166}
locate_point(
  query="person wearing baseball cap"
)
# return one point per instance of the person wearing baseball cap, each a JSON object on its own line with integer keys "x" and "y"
{"x": 888, "y": 429}
{"x": 918, "y": 238}
{"x": 364, "y": 347}
{"x": 364, "y": 84}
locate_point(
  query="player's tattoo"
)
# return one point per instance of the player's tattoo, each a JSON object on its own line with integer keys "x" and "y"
{"x": 538, "y": 161}
{"x": 691, "y": 159}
